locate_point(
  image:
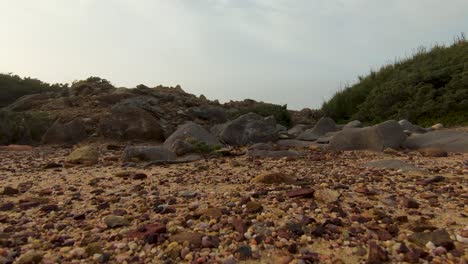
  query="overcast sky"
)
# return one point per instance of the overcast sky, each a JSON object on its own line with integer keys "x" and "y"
{"x": 295, "y": 52}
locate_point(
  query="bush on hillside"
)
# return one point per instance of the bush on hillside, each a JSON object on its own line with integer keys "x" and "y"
{"x": 13, "y": 87}
{"x": 23, "y": 128}
{"x": 431, "y": 87}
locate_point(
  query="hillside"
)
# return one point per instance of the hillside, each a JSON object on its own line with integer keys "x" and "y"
{"x": 430, "y": 87}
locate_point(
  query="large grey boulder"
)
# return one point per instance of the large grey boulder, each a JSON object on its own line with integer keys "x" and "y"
{"x": 388, "y": 134}
{"x": 27, "y": 102}
{"x": 182, "y": 141}
{"x": 353, "y": 124}
{"x": 297, "y": 130}
{"x": 447, "y": 140}
{"x": 323, "y": 126}
{"x": 148, "y": 153}
{"x": 211, "y": 113}
{"x": 408, "y": 126}
{"x": 69, "y": 133}
{"x": 247, "y": 129}
{"x": 127, "y": 122}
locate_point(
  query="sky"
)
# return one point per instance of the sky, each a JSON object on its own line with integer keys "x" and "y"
{"x": 294, "y": 52}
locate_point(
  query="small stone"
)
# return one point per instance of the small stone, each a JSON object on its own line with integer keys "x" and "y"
{"x": 376, "y": 254}
{"x": 214, "y": 213}
{"x": 49, "y": 208}
{"x": 438, "y": 237}
{"x": 273, "y": 178}
{"x": 326, "y": 195}
{"x": 30, "y": 257}
{"x": 113, "y": 221}
{"x": 303, "y": 192}
{"x": 244, "y": 252}
{"x": 253, "y": 207}
{"x": 410, "y": 203}
{"x": 9, "y": 191}
{"x": 173, "y": 250}
{"x": 93, "y": 249}
{"x": 433, "y": 152}
{"x": 193, "y": 238}
{"x": 239, "y": 225}
{"x": 7, "y": 206}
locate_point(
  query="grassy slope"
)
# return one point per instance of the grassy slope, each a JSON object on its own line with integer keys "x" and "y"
{"x": 430, "y": 87}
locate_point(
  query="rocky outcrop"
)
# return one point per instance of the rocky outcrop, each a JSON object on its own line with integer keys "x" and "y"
{"x": 68, "y": 133}
{"x": 323, "y": 126}
{"x": 247, "y": 129}
{"x": 446, "y": 140}
{"x": 148, "y": 153}
{"x": 28, "y": 102}
{"x": 128, "y": 122}
{"x": 188, "y": 136}
{"x": 388, "y": 134}
{"x": 297, "y": 130}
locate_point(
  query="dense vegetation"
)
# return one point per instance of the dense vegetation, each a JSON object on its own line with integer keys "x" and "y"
{"x": 24, "y": 128}
{"x": 13, "y": 87}
{"x": 430, "y": 87}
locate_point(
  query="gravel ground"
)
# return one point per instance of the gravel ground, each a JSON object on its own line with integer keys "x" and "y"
{"x": 325, "y": 207}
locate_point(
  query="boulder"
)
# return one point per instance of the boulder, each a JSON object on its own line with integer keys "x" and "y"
{"x": 65, "y": 133}
{"x": 323, "y": 126}
{"x": 86, "y": 155}
{"x": 388, "y": 134}
{"x": 187, "y": 136}
{"x": 353, "y": 124}
{"x": 297, "y": 130}
{"x": 211, "y": 113}
{"x": 446, "y": 140}
{"x": 408, "y": 126}
{"x": 247, "y": 129}
{"x": 281, "y": 128}
{"x": 127, "y": 122}
{"x": 148, "y": 153}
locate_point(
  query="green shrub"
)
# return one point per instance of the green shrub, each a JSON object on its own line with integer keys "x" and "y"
{"x": 25, "y": 128}
{"x": 430, "y": 87}
{"x": 13, "y": 87}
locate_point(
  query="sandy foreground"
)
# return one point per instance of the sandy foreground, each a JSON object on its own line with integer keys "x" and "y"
{"x": 211, "y": 211}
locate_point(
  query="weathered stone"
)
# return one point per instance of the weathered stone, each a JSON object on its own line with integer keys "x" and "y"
{"x": 274, "y": 178}
{"x": 323, "y": 126}
{"x": 86, "y": 155}
{"x": 191, "y": 134}
{"x": 247, "y": 129}
{"x": 304, "y": 192}
{"x": 393, "y": 164}
{"x": 437, "y": 237}
{"x": 326, "y": 195}
{"x": 445, "y": 140}
{"x": 113, "y": 221}
{"x": 433, "y": 152}
{"x": 193, "y": 238}
{"x": 388, "y": 134}
{"x": 148, "y": 153}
